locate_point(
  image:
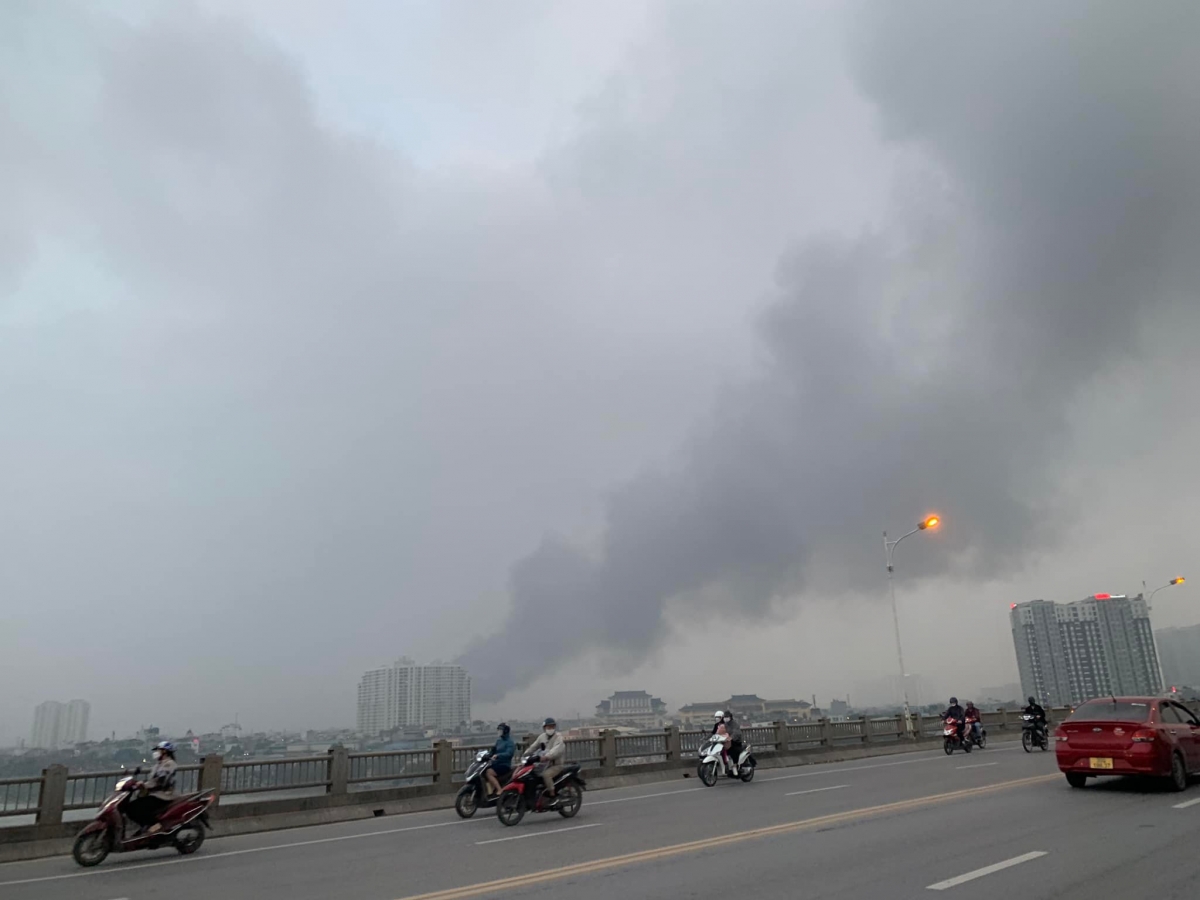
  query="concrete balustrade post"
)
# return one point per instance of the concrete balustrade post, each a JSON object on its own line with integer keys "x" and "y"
{"x": 443, "y": 763}
{"x": 782, "y": 742}
{"x": 608, "y": 751}
{"x": 865, "y": 724}
{"x": 210, "y": 775}
{"x": 1003, "y": 719}
{"x": 826, "y": 732}
{"x": 339, "y": 770}
{"x": 53, "y": 795}
{"x": 674, "y": 744}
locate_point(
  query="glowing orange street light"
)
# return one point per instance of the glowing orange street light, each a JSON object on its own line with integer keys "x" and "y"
{"x": 889, "y": 549}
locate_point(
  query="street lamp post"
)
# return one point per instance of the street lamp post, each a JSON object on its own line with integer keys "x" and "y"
{"x": 889, "y": 550}
{"x": 1162, "y": 681}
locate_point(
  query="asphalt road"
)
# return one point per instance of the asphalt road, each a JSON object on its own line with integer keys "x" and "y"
{"x": 884, "y": 827}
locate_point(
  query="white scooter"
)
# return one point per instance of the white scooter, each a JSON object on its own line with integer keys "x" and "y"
{"x": 712, "y": 761}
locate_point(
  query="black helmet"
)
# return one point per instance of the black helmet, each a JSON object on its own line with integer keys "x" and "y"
{"x": 954, "y": 701}
{"x": 503, "y": 728}
{"x": 549, "y": 723}
{"x": 1032, "y": 701}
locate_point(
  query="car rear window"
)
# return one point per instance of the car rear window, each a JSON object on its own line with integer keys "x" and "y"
{"x": 1107, "y": 711}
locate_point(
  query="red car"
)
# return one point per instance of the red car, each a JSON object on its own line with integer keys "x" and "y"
{"x": 1129, "y": 736}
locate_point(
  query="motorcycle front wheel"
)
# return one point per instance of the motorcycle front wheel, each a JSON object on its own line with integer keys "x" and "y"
{"x": 708, "y": 773}
{"x": 510, "y": 809}
{"x": 91, "y": 849}
{"x": 948, "y": 746}
{"x": 189, "y": 838}
{"x": 1027, "y": 741}
{"x": 467, "y": 801}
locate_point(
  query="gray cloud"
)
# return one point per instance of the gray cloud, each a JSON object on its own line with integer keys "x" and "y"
{"x": 932, "y": 364}
{"x": 312, "y": 388}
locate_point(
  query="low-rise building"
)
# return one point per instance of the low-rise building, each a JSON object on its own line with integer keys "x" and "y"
{"x": 746, "y": 708}
{"x": 633, "y": 708}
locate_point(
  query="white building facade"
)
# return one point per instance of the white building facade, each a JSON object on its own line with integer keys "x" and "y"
{"x": 406, "y": 694}
{"x": 58, "y": 725}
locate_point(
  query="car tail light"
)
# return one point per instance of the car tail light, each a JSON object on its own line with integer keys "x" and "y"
{"x": 1145, "y": 736}
{"x": 1060, "y": 736}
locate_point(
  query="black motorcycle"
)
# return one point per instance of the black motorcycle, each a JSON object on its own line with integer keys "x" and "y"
{"x": 473, "y": 795}
{"x": 1033, "y": 733}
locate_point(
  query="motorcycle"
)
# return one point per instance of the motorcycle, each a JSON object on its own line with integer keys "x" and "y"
{"x": 183, "y": 823}
{"x": 473, "y": 795}
{"x": 525, "y": 792}
{"x": 1033, "y": 733}
{"x": 713, "y": 761}
{"x": 976, "y": 734}
{"x": 951, "y": 740}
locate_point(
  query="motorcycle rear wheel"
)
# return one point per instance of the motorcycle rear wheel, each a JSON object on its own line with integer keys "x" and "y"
{"x": 570, "y": 799}
{"x": 189, "y": 838}
{"x": 748, "y": 775}
{"x": 91, "y": 849}
{"x": 707, "y": 771}
{"x": 510, "y": 808}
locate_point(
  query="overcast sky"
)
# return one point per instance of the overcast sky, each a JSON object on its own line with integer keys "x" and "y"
{"x": 592, "y": 344}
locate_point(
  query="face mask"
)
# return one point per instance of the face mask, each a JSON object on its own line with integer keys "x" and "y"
{"x": 549, "y": 732}
{"x": 157, "y": 756}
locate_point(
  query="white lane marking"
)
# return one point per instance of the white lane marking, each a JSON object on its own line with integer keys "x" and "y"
{"x": 977, "y": 766}
{"x": 175, "y": 862}
{"x": 521, "y": 837}
{"x": 1186, "y": 803}
{"x": 646, "y": 796}
{"x": 986, "y": 870}
{"x": 821, "y": 770}
{"x": 832, "y": 787}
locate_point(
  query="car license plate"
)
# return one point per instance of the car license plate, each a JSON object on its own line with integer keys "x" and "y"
{"x": 1100, "y": 763}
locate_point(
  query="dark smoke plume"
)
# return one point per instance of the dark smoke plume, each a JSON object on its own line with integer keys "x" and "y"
{"x": 929, "y": 365}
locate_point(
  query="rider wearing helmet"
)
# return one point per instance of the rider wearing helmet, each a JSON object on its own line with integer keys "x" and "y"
{"x": 1039, "y": 714}
{"x": 158, "y": 790}
{"x": 956, "y": 714}
{"x": 502, "y": 754}
{"x": 726, "y": 724}
{"x": 551, "y": 750}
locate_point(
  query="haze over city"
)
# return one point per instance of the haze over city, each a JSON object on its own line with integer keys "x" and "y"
{"x": 593, "y": 346}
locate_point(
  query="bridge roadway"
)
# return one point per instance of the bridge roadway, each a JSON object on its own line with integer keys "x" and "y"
{"x": 883, "y": 827}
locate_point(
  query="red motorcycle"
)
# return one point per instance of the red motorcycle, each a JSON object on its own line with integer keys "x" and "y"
{"x": 525, "y": 792}
{"x": 182, "y": 825}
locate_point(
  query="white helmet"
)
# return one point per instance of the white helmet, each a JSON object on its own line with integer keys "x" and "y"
{"x": 718, "y": 715}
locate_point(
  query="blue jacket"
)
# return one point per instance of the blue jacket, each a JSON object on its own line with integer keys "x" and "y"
{"x": 502, "y": 752}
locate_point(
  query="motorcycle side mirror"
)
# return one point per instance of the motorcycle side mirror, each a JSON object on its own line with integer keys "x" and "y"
{"x": 137, "y": 771}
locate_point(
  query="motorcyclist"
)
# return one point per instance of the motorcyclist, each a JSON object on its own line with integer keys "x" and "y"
{"x": 551, "y": 750}
{"x": 502, "y": 754}
{"x": 956, "y": 714}
{"x": 1039, "y": 714}
{"x": 158, "y": 791}
{"x": 734, "y": 746}
{"x": 972, "y": 718}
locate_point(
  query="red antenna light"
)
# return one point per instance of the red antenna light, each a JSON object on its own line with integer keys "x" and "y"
{"x": 1102, "y": 596}
{"x": 1012, "y": 606}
